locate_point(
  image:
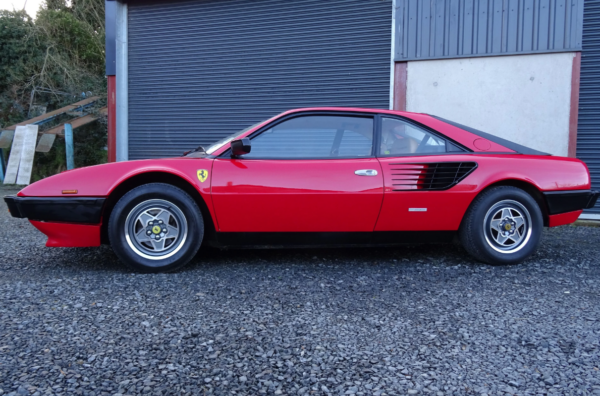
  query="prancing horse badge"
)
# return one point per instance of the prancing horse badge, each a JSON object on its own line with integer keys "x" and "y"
{"x": 202, "y": 175}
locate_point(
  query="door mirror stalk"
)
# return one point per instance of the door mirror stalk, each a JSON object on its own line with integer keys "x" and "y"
{"x": 240, "y": 147}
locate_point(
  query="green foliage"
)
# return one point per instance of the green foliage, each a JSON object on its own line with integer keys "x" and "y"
{"x": 68, "y": 32}
{"x": 74, "y": 46}
{"x": 16, "y": 50}
{"x": 20, "y": 55}
{"x": 51, "y": 61}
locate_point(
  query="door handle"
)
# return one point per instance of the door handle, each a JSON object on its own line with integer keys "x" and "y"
{"x": 366, "y": 172}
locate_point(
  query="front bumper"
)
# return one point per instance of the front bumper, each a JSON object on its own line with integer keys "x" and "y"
{"x": 569, "y": 201}
{"x": 75, "y": 210}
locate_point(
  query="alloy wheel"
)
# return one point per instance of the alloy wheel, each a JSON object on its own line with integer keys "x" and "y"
{"x": 156, "y": 229}
{"x": 507, "y": 226}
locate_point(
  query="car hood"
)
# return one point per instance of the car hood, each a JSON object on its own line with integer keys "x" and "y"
{"x": 100, "y": 180}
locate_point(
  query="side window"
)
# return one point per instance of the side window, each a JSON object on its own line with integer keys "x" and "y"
{"x": 399, "y": 138}
{"x": 316, "y": 137}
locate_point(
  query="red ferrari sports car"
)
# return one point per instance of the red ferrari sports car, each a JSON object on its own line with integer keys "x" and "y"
{"x": 318, "y": 176}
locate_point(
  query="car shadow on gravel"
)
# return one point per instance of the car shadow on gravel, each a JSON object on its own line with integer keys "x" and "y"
{"x": 104, "y": 259}
{"x": 363, "y": 256}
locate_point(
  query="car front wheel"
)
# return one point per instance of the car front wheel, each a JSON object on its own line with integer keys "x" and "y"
{"x": 156, "y": 228}
{"x": 503, "y": 226}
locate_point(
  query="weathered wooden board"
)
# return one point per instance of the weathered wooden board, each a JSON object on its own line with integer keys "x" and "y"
{"x": 55, "y": 112}
{"x": 26, "y": 166}
{"x": 15, "y": 156}
{"x": 77, "y": 122}
{"x": 6, "y": 138}
{"x": 45, "y": 143}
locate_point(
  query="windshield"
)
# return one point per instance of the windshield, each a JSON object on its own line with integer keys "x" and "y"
{"x": 229, "y": 138}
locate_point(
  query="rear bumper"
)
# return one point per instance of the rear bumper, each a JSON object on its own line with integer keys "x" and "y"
{"x": 76, "y": 210}
{"x": 563, "y": 218}
{"x": 570, "y": 201}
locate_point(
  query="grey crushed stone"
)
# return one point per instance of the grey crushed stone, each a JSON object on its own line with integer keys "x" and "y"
{"x": 423, "y": 320}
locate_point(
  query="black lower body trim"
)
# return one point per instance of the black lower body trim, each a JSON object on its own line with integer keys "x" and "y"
{"x": 570, "y": 201}
{"x": 82, "y": 210}
{"x": 328, "y": 239}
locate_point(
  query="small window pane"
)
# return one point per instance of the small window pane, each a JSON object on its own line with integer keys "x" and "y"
{"x": 400, "y": 138}
{"x": 355, "y": 144}
{"x": 316, "y": 137}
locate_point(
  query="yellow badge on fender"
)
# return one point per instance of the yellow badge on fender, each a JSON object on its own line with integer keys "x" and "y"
{"x": 202, "y": 175}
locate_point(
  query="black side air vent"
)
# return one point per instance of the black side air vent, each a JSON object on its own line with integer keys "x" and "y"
{"x": 429, "y": 176}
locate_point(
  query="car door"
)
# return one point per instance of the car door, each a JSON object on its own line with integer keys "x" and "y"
{"x": 305, "y": 173}
{"x": 421, "y": 171}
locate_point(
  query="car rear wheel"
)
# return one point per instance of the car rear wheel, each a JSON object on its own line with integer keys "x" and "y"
{"x": 156, "y": 228}
{"x": 503, "y": 226}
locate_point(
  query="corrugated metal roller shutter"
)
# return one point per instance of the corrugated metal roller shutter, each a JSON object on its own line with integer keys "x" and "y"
{"x": 588, "y": 130}
{"x": 201, "y": 70}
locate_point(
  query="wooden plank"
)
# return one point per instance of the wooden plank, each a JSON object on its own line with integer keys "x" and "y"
{"x": 15, "y": 156}
{"x": 6, "y": 138}
{"x": 26, "y": 166}
{"x": 54, "y": 113}
{"x": 75, "y": 123}
{"x": 69, "y": 146}
{"x": 45, "y": 143}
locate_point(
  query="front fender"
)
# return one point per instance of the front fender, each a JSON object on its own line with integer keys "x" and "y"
{"x": 101, "y": 180}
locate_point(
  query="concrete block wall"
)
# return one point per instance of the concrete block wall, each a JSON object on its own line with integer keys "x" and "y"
{"x": 523, "y": 98}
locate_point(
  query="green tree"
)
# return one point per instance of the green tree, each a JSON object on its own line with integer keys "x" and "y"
{"x": 20, "y": 56}
{"x": 51, "y": 61}
{"x": 73, "y": 38}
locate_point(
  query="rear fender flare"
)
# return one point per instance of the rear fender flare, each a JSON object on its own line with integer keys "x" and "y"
{"x": 524, "y": 183}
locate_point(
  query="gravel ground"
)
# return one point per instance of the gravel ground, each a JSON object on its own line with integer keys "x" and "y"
{"x": 395, "y": 321}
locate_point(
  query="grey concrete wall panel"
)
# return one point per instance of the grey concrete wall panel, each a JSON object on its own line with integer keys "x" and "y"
{"x": 438, "y": 29}
{"x": 201, "y": 70}
{"x": 588, "y": 126}
{"x": 110, "y": 16}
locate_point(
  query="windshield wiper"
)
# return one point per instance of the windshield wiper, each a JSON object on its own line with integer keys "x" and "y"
{"x": 199, "y": 149}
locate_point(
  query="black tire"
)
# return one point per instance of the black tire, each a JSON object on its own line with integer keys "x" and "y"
{"x": 156, "y": 227}
{"x": 491, "y": 230}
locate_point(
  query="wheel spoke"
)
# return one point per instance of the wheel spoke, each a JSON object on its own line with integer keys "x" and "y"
{"x": 158, "y": 245}
{"x": 495, "y": 224}
{"x": 517, "y": 236}
{"x": 519, "y": 221}
{"x": 501, "y": 239}
{"x": 164, "y": 215}
{"x": 506, "y": 213}
{"x": 172, "y": 232}
{"x": 144, "y": 218}
{"x": 141, "y": 236}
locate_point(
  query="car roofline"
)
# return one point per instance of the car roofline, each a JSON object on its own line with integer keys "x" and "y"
{"x": 516, "y": 148}
{"x": 350, "y": 109}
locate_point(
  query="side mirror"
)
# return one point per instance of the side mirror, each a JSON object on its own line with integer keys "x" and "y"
{"x": 240, "y": 147}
